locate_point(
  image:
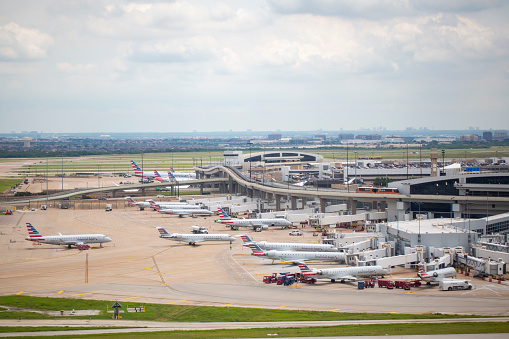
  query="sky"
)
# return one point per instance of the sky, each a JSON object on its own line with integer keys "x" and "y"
{"x": 73, "y": 66}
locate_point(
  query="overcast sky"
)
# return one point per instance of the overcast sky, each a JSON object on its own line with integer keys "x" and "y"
{"x": 169, "y": 66}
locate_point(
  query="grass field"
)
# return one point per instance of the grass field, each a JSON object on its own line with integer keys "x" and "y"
{"x": 185, "y": 161}
{"x": 325, "y": 331}
{"x": 180, "y": 313}
{"x": 6, "y": 184}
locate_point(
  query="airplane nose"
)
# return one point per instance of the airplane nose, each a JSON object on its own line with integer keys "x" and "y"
{"x": 108, "y": 239}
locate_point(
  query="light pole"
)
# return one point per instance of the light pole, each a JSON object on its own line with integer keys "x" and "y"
{"x": 62, "y": 172}
{"x": 406, "y": 161}
{"x": 250, "y": 143}
{"x": 47, "y": 179}
{"x": 355, "y": 167}
{"x": 347, "y": 181}
{"x": 98, "y": 176}
{"x": 420, "y": 157}
{"x": 443, "y": 161}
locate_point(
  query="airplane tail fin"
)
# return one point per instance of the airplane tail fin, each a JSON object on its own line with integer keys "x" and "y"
{"x": 137, "y": 170}
{"x": 155, "y": 206}
{"x": 158, "y": 176}
{"x": 171, "y": 177}
{"x": 163, "y": 233}
{"x": 223, "y": 216}
{"x": 246, "y": 239}
{"x": 257, "y": 251}
{"x": 304, "y": 268}
{"x": 131, "y": 201}
{"x": 34, "y": 234}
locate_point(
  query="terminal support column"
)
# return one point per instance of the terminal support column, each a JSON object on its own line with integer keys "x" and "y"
{"x": 294, "y": 202}
{"x": 278, "y": 202}
{"x": 323, "y": 204}
{"x": 304, "y": 200}
{"x": 351, "y": 205}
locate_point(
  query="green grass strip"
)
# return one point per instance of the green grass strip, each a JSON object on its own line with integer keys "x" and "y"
{"x": 184, "y": 313}
{"x": 9, "y": 329}
{"x": 6, "y": 184}
{"x": 345, "y": 330}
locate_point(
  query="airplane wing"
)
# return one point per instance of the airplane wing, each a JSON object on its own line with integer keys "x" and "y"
{"x": 348, "y": 277}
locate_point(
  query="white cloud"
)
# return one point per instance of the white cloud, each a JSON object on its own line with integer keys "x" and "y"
{"x": 77, "y": 68}
{"x": 19, "y": 44}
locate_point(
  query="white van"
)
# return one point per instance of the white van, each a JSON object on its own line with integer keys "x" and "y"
{"x": 454, "y": 284}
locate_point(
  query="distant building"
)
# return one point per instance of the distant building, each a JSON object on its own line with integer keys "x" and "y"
{"x": 275, "y": 136}
{"x": 470, "y": 137}
{"x": 369, "y": 137}
{"x": 320, "y": 137}
{"x": 346, "y": 136}
{"x": 488, "y": 136}
{"x": 500, "y": 135}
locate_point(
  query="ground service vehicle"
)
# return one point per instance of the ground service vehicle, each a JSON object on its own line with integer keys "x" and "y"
{"x": 296, "y": 233}
{"x": 386, "y": 283}
{"x": 108, "y": 207}
{"x": 454, "y": 284}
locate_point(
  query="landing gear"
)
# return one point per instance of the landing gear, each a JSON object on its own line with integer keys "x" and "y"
{"x": 69, "y": 246}
{"x": 333, "y": 280}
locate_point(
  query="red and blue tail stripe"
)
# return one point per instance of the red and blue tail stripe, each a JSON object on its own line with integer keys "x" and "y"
{"x": 33, "y": 234}
{"x": 257, "y": 251}
{"x": 223, "y": 216}
{"x": 305, "y": 269}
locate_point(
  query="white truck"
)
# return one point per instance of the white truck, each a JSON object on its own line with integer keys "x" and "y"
{"x": 108, "y": 207}
{"x": 454, "y": 284}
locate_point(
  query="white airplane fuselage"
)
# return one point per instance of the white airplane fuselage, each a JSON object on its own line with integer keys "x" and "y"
{"x": 301, "y": 255}
{"x": 280, "y": 246}
{"x": 195, "y": 238}
{"x": 348, "y": 272}
{"x": 70, "y": 239}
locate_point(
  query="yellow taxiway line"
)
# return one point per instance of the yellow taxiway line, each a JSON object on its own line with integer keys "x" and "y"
{"x": 128, "y": 298}
{"x": 75, "y": 295}
{"x": 176, "y": 301}
{"x": 279, "y": 307}
{"x": 227, "y": 304}
{"x": 19, "y": 292}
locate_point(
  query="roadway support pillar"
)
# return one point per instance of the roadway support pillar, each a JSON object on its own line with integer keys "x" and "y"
{"x": 230, "y": 185}
{"x": 304, "y": 200}
{"x": 172, "y": 190}
{"x": 294, "y": 203}
{"x": 351, "y": 205}
{"x": 374, "y": 205}
{"x": 278, "y": 202}
{"x": 143, "y": 192}
{"x": 323, "y": 204}
{"x": 114, "y": 194}
{"x": 383, "y": 205}
{"x": 201, "y": 189}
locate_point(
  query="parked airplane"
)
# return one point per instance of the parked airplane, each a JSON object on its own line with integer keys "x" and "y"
{"x": 172, "y": 204}
{"x": 437, "y": 275}
{"x": 160, "y": 178}
{"x": 78, "y": 239}
{"x": 140, "y": 204}
{"x": 141, "y": 174}
{"x": 292, "y": 256}
{"x": 343, "y": 273}
{"x": 192, "y": 239}
{"x": 256, "y": 224}
{"x": 180, "y": 212}
{"x": 289, "y": 246}
{"x": 182, "y": 175}
{"x": 164, "y": 207}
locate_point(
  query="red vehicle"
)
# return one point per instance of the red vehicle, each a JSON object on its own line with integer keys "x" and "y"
{"x": 402, "y": 284}
{"x": 386, "y": 283}
{"x": 369, "y": 283}
{"x": 269, "y": 279}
